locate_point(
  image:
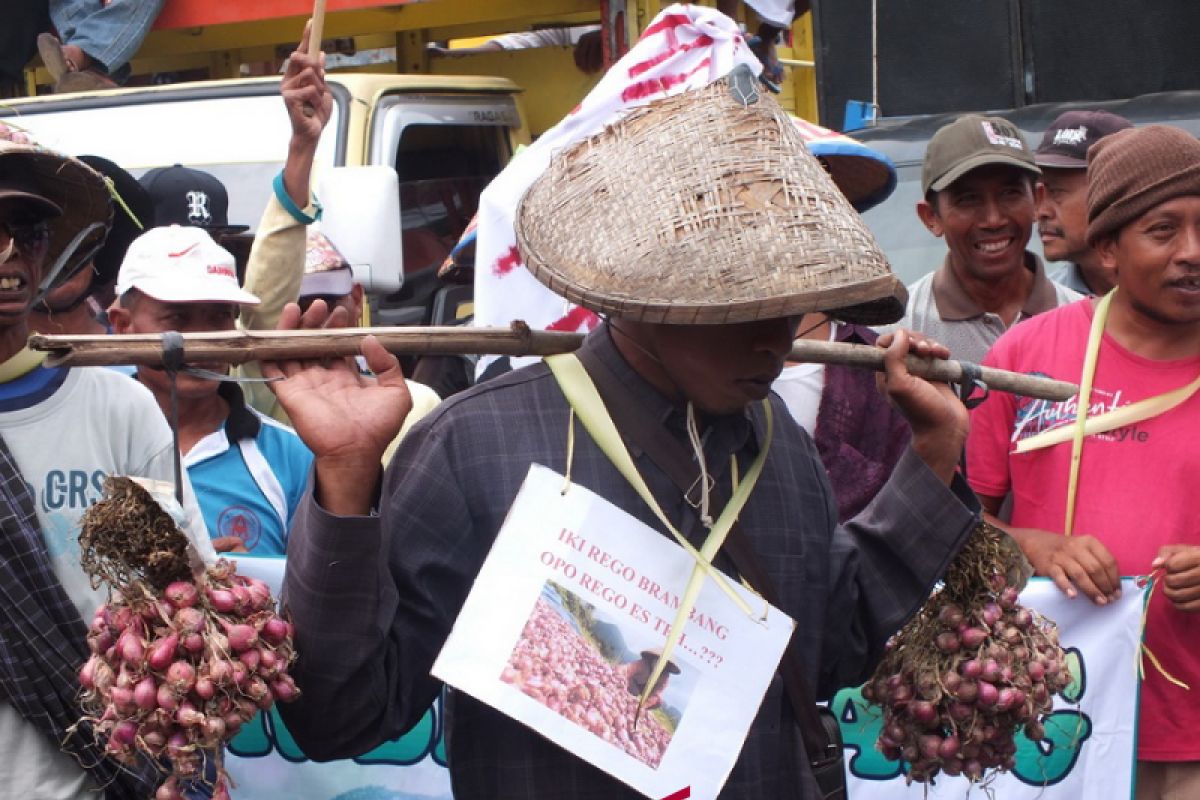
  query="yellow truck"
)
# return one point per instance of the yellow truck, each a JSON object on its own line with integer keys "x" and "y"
{"x": 413, "y": 148}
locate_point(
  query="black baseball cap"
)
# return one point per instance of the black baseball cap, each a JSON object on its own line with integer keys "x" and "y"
{"x": 185, "y": 196}
{"x": 1066, "y": 141}
{"x": 131, "y": 216}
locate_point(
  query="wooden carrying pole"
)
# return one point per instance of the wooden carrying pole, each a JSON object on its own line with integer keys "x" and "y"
{"x": 237, "y": 347}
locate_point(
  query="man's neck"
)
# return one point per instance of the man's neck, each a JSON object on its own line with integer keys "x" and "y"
{"x": 1148, "y": 336}
{"x": 644, "y": 363}
{"x": 1004, "y": 297}
{"x": 1093, "y": 275}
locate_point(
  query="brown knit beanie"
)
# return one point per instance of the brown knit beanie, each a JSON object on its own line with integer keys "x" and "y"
{"x": 1132, "y": 171}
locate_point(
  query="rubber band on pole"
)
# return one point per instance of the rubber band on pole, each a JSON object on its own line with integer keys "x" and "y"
{"x": 172, "y": 343}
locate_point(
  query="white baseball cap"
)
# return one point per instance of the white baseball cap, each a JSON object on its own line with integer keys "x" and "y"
{"x": 180, "y": 264}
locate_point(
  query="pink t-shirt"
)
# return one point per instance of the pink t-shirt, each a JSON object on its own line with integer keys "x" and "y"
{"x": 1135, "y": 487}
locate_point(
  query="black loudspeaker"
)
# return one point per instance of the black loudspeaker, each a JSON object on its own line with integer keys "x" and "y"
{"x": 938, "y": 56}
{"x": 1109, "y": 49}
{"x": 934, "y": 55}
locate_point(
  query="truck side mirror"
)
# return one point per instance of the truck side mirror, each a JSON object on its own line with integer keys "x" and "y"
{"x": 361, "y": 217}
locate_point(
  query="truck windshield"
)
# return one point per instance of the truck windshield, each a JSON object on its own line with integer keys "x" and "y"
{"x": 442, "y": 170}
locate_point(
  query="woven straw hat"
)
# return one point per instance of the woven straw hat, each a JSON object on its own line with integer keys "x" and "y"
{"x": 703, "y": 208}
{"x": 74, "y": 187}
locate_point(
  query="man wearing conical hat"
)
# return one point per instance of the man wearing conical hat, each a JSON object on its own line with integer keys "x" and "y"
{"x": 702, "y": 230}
{"x": 62, "y": 430}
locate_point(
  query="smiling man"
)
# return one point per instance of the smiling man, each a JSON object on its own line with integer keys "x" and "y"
{"x": 1132, "y": 511}
{"x": 978, "y": 178}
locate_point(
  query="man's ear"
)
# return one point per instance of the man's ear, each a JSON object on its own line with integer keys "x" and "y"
{"x": 1106, "y": 250}
{"x": 929, "y": 217}
{"x": 119, "y": 318}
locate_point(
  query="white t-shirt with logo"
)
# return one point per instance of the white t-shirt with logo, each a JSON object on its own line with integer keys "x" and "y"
{"x": 67, "y": 431}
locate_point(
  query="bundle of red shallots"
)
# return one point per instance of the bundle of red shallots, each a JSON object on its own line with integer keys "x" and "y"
{"x": 971, "y": 670}
{"x": 182, "y": 656}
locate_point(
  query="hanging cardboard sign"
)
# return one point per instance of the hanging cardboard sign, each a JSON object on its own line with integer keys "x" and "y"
{"x": 562, "y": 628}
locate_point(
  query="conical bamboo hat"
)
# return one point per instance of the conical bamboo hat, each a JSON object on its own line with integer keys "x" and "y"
{"x": 74, "y": 187}
{"x": 703, "y": 208}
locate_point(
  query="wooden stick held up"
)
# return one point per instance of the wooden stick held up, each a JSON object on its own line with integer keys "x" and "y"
{"x": 318, "y": 29}
{"x": 315, "y": 31}
{"x": 237, "y": 347}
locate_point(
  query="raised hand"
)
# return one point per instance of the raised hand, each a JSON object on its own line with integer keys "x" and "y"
{"x": 309, "y": 105}
{"x": 305, "y": 93}
{"x": 347, "y": 419}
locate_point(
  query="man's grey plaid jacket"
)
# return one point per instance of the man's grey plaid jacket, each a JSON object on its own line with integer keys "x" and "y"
{"x": 373, "y": 598}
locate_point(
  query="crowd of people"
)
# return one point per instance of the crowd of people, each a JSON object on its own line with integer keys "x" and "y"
{"x": 386, "y": 499}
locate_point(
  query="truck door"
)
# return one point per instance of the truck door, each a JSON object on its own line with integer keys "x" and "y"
{"x": 445, "y": 149}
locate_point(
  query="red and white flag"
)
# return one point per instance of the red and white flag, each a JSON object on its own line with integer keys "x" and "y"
{"x": 780, "y": 13}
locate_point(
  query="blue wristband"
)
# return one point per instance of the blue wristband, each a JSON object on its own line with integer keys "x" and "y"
{"x": 285, "y": 200}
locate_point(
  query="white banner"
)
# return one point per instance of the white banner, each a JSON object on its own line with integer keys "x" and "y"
{"x": 264, "y": 761}
{"x": 1089, "y": 749}
{"x": 565, "y": 622}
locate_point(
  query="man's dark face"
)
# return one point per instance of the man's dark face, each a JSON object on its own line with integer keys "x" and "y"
{"x": 721, "y": 368}
{"x": 147, "y": 315}
{"x": 1062, "y": 214}
{"x": 24, "y": 241}
{"x": 986, "y": 218}
{"x": 1157, "y": 261}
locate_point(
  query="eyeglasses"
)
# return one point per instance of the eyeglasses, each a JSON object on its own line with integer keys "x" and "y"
{"x": 29, "y": 234}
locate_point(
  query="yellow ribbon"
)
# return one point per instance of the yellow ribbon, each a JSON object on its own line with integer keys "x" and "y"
{"x": 1095, "y": 335}
{"x": 116, "y": 196}
{"x": 581, "y": 393}
{"x": 1144, "y": 651}
{"x": 23, "y": 362}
